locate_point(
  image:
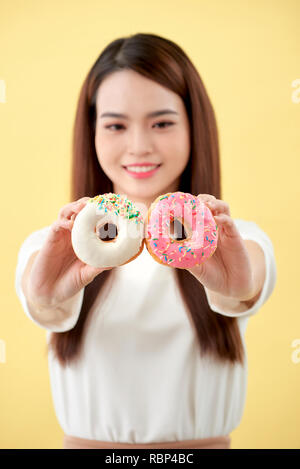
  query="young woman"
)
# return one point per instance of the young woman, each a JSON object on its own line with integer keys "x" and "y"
{"x": 144, "y": 355}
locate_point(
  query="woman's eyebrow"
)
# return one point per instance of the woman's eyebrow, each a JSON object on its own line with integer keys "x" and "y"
{"x": 151, "y": 114}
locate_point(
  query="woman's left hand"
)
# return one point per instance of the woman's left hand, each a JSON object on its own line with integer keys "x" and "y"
{"x": 228, "y": 271}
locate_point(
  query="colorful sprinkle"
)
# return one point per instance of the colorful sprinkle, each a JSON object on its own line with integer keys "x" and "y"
{"x": 118, "y": 204}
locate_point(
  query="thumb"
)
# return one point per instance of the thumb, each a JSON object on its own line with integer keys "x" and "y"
{"x": 89, "y": 273}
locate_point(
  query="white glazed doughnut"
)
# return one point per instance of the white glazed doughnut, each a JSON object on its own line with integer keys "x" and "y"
{"x": 108, "y": 231}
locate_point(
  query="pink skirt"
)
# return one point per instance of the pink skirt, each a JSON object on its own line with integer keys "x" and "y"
{"x": 218, "y": 442}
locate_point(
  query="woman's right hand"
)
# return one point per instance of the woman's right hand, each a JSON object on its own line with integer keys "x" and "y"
{"x": 57, "y": 274}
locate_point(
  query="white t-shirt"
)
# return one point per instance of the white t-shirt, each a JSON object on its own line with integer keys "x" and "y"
{"x": 140, "y": 378}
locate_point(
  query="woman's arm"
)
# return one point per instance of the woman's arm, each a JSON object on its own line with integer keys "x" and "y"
{"x": 257, "y": 259}
{"x": 234, "y": 276}
{"x": 48, "y": 316}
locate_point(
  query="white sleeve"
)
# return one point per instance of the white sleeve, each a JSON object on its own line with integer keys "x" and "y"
{"x": 250, "y": 230}
{"x": 32, "y": 243}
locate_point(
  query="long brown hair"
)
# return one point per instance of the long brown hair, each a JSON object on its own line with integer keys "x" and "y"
{"x": 166, "y": 63}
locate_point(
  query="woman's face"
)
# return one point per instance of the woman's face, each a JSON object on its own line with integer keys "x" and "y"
{"x": 126, "y": 144}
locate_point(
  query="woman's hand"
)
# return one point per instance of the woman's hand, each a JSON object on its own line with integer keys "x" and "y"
{"x": 57, "y": 274}
{"x": 228, "y": 272}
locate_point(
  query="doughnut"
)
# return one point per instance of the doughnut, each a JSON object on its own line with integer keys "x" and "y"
{"x": 108, "y": 231}
{"x": 180, "y": 230}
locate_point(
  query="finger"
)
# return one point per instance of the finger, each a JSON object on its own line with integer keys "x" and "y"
{"x": 214, "y": 204}
{"x": 218, "y": 206}
{"x": 76, "y": 210}
{"x": 88, "y": 273}
{"x": 206, "y": 197}
{"x": 74, "y": 207}
{"x": 57, "y": 227}
{"x": 62, "y": 225}
{"x": 227, "y": 225}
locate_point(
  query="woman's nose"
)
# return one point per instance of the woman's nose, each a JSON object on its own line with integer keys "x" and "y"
{"x": 139, "y": 142}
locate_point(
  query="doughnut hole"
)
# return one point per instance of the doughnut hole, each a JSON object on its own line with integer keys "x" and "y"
{"x": 107, "y": 232}
{"x": 179, "y": 230}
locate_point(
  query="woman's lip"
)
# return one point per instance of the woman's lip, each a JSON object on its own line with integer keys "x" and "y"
{"x": 141, "y": 164}
{"x": 141, "y": 175}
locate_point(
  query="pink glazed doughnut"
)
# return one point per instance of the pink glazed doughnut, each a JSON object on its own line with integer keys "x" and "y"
{"x": 198, "y": 237}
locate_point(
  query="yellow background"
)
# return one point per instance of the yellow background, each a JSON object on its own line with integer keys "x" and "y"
{"x": 248, "y": 55}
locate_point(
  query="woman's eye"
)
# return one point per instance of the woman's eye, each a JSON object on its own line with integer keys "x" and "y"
{"x": 113, "y": 125}
{"x": 168, "y": 123}
{"x": 158, "y": 123}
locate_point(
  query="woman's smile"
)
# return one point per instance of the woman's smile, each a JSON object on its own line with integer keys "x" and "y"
{"x": 141, "y": 171}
